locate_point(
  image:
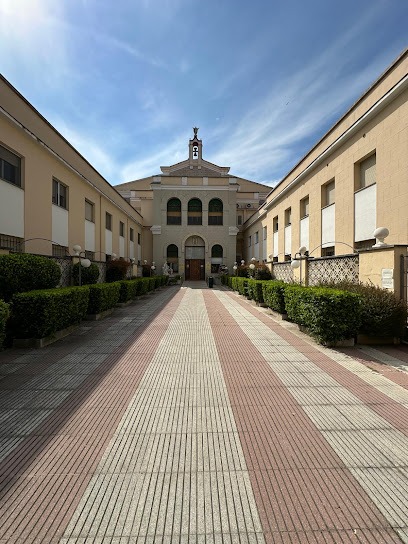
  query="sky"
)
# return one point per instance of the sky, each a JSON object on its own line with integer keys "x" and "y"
{"x": 125, "y": 81}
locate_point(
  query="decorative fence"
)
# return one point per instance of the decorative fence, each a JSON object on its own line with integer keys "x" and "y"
{"x": 283, "y": 272}
{"x": 332, "y": 269}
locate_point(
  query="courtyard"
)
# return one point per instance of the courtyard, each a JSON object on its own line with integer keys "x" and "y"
{"x": 193, "y": 416}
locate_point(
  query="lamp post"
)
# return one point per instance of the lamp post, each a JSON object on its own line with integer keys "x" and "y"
{"x": 86, "y": 263}
{"x": 297, "y": 261}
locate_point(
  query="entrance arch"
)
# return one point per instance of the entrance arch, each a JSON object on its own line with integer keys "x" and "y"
{"x": 194, "y": 250}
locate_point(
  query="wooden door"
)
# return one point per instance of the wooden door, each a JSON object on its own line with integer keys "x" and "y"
{"x": 195, "y": 269}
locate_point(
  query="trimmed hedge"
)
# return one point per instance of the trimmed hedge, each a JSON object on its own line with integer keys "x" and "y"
{"x": 128, "y": 290}
{"x": 274, "y": 295}
{"x": 24, "y": 272}
{"x": 41, "y": 313}
{"x": 329, "y": 314}
{"x": 4, "y": 315}
{"x": 103, "y": 296}
{"x": 382, "y": 313}
{"x": 254, "y": 288}
{"x": 240, "y": 284}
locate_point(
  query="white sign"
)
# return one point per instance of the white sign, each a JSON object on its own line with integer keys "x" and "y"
{"x": 387, "y": 278}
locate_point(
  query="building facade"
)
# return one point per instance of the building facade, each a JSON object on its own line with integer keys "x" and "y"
{"x": 51, "y": 198}
{"x": 194, "y": 213}
{"x": 352, "y": 181}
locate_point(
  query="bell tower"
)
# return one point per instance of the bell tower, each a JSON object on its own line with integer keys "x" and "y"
{"x": 195, "y": 149}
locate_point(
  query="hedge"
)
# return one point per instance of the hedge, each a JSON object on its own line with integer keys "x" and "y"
{"x": 240, "y": 284}
{"x": 128, "y": 290}
{"x": 273, "y": 294}
{"x": 254, "y": 288}
{"x": 4, "y": 315}
{"x": 329, "y": 314}
{"x": 103, "y": 296}
{"x": 41, "y": 313}
{"x": 89, "y": 275}
{"x": 25, "y": 272}
{"x": 382, "y": 313}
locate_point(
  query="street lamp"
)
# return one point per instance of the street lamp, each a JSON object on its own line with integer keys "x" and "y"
{"x": 86, "y": 263}
{"x": 297, "y": 261}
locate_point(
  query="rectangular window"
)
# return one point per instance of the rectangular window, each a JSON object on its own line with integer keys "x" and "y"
{"x": 131, "y": 234}
{"x": 59, "y": 194}
{"x": 89, "y": 211}
{"x": 366, "y": 174}
{"x": 328, "y": 194}
{"x": 10, "y": 167}
{"x": 328, "y": 251}
{"x": 256, "y": 237}
{"x": 59, "y": 251}
{"x": 139, "y": 238}
{"x": 11, "y": 242}
{"x": 288, "y": 217}
{"x": 275, "y": 224}
{"x": 121, "y": 229}
{"x": 304, "y": 207}
{"x": 265, "y": 233}
{"x": 239, "y": 220}
{"x": 250, "y": 241}
{"x": 108, "y": 221}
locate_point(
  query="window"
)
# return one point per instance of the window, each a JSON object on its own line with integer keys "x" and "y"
{"x": 328, "y": 251}
{"x": 288, "y": 217}
{"x": 174, "y": 211}
{"x": 328, "y": 194}
{"x": 172, "y": 257}
{"x": 250, "y": 241}
{"x": 256, "y": 237}
{"x": 108, "y": 221}
{"x": 139, "y": 238}
{"x": 304, "y": 207}
{"x": 366, "y": 174}
{"x": 215, "y": 212}
{"x": 265, "y": 233}
{"x": 90, "y": 255}
{"x": 121, "y": 229}
{"x": 10, "y": 167}
{"x": 11, "y": 242}
{"x": 239, "y": 220}
{"x": 131, "y": 234}
{"x": 59, "y": 251}
{"x": 217, "y": 251}
{"x": 59, "y": 194}
{"x": 275, "y": 224}
{"x": 195, "y": 212}
{"x": 89, "y": 211}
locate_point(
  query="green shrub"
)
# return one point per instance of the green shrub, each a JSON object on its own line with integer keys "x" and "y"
{"x": 143, "y": 286}
{"x": 103, "y": 296}
{"x": 255, "y": 290}
{"x": 37, "y": 314}
{"x": 116, "y": 270}
{"x": 273, "y": 294}
{"x": 88, "y": 275}
{"x": 25, "y": 272}
{"x": 151, "y": 283}
{"x": 382, "y": 313}
{"x": 262, "y": 272}
{"x": 242, "y": 271}
{"x": 329, "y": 314}
{"x": 128, "y": 290}
{"x": 4, "y": 315}
{"x": 224, "y": 279}
{"x": 240, "y": 284}
{"x": 157, "y": 281}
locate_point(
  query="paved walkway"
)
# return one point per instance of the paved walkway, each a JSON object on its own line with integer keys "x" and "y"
{"x": 192, "y": 416}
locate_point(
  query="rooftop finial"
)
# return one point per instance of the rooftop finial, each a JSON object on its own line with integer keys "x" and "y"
{"x": 195, "y": 132}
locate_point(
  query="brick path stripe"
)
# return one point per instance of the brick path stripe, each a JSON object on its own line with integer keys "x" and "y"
{"x": 303, "y": 489}
{"x": 44, "y": 475}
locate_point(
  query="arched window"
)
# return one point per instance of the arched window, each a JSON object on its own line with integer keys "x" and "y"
{"x": 174, "y": 211}
{"x": 195, "y": 212}
{"x": 172, "y": 257}
{"x": 217, "y": 254}
{"x": 215, "y": 212}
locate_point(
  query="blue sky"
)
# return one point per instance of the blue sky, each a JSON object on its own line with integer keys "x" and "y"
{"x": 126, "y": 81}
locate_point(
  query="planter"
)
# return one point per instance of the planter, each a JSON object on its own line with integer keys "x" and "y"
{"x": 45, "y": 341}
{"x": 377, "y": 340}
{"x": 97, "y": 317}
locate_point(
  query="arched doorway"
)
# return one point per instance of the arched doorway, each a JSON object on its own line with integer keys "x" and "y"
{"x": 195, "y": 258}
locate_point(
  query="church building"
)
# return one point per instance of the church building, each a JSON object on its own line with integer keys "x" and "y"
{"x": 193, "y": 214}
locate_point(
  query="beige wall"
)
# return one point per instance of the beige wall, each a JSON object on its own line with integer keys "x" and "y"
{"x": 40, "y": 165}
{"x": 386, "y": 135}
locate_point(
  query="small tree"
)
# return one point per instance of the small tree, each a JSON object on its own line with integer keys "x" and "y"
{"x": 89, "y": 275}
{"x": 116, "y": 270}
